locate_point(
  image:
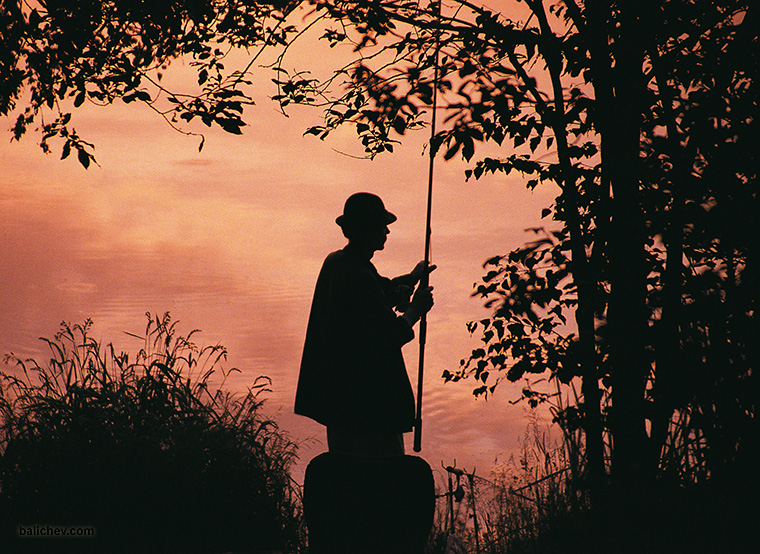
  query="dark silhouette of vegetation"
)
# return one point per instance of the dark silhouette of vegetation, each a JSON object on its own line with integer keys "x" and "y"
{"x": 530, "y": 504}
{"x": 143, "y": 450}
{"x": 537, "y": 503}
{"x": 55, "y": 56}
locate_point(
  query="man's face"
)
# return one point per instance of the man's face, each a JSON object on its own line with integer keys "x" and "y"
{"x": 377, "y": 236}
{"x": 372, "y": 237}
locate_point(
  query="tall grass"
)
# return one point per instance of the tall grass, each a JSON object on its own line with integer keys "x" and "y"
{"x": 143, "y": 448}
{"x": 540, "y": 503}
{"x": 532, "y": 504}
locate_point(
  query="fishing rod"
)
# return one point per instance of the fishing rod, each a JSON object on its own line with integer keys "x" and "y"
{"x": 425, "y": 281}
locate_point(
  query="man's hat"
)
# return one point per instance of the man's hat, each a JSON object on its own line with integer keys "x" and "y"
{"x": 364, "y": 208}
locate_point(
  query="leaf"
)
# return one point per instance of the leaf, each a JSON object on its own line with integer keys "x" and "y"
{"x": 516, "y": 329}
{"x": 231, "y": 125}
{"x": 399, "y": 125}
{"x": 468, "y": 149}
{"x": 467, "y": 69}
{"x": 518, "y": 370}
{"x": 452, "y": 151}
{"x": 84, "y": 158}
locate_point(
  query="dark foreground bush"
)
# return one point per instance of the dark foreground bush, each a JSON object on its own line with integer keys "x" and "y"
{"x": 540, "y": 504}
{"x": 141, "y": 451}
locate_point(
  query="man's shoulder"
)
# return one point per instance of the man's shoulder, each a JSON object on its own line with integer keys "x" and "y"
{"x": 335, "y": 261}
{"x": 343, "y": 264}
{"x": 336, "y": 256}
{"x": 344, "y": 257}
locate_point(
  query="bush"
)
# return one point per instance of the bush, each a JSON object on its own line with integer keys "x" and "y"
{"x": 534, "y": 504}
{"x": 142, "y": 451}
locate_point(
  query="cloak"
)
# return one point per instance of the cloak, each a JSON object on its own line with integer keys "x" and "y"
{"x": 352, "y": 372}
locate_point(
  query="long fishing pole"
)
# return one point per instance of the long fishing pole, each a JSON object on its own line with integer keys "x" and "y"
{"x": 425, "y": 281}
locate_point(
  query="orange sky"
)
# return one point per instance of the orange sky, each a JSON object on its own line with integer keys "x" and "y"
{"x": 231, "y": 239}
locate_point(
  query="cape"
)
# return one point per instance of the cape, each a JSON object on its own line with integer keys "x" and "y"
{"x": 352, "y": 371}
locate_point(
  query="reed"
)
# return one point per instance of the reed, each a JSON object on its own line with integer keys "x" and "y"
{"x": 540, "y": 503}
{"x": 533, "y": 504}
{"x": 144, "y": 449}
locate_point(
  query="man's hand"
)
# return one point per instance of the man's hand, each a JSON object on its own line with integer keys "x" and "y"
{"x": 423, "y": 299}
{"x": 421, "y": 303}
{"x": 403, "y": 297}
{"x": 421, "y": 270}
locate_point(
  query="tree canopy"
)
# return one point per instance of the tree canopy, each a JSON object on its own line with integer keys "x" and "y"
{"x": 56, "y": 55}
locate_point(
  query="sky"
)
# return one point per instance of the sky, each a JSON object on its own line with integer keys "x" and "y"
{"x": 230, "y": 241}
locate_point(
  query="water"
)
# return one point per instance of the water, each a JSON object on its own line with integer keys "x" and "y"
{"x": 230, "y": 241}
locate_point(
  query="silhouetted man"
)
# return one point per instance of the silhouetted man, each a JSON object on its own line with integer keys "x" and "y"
{"x": 353, "y": 379}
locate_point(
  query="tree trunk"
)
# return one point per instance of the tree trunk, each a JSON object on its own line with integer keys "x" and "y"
{"x": 627, "y": 311}
{"x": 569, "y": 203}
{"x": 618, "y": 90}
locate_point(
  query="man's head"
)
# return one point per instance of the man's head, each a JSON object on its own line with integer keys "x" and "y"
{"x": 365, "y": 220}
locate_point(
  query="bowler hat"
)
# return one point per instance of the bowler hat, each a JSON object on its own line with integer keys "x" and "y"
{"x": 364, "y": 208}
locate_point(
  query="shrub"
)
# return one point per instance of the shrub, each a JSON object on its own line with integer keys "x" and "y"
{"x": 142, "y": 450}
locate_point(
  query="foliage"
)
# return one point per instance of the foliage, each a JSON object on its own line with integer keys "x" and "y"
{"x": 531, "y": 503}
{"x": 533, "y": 294}
{"x": 694, "y": 148}
{"x": 538, "y": 503}
{"x": 142, "y": 449}
{"x": 58, "y": 55}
